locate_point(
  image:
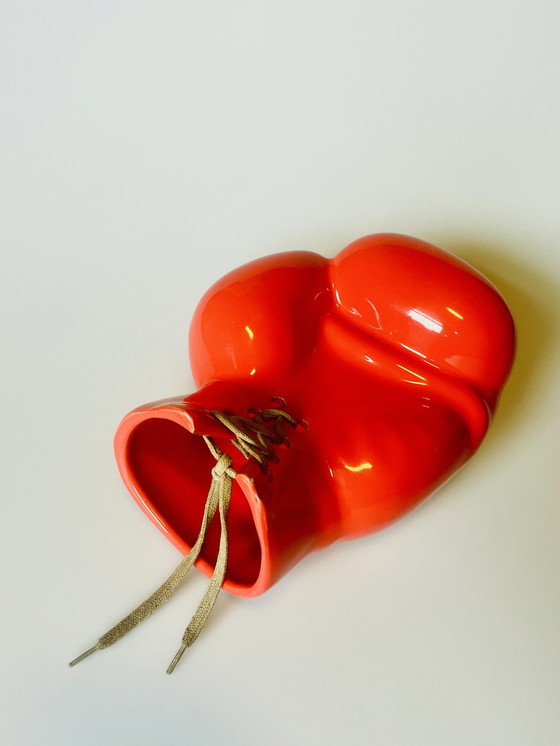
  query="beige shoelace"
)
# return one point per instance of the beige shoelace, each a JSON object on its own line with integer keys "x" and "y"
{"x": 254, "y": 440}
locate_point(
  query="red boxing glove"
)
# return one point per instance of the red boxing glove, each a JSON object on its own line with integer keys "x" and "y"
{"x": 390, "y": 357}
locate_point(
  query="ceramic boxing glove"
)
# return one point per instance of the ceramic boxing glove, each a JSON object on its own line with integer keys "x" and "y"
{"x": 389, "y": 357}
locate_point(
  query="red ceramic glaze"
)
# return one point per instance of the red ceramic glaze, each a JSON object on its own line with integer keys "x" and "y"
{"x": 392, "y": 355}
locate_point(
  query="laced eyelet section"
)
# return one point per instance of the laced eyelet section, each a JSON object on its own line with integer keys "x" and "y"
{"x": 253, "y": 438}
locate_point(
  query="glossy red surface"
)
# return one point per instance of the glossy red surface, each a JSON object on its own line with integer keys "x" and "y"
{"x": 393, "y": 353}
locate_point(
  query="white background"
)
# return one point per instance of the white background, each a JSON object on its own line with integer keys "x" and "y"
{"x": 146, "y": 149}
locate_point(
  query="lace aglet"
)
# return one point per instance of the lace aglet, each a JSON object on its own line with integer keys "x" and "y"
{"x": 84, "y": 655}
{"x": 176, "y": 659}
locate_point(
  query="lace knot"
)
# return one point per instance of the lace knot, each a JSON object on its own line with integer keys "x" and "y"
{"x": 223, "y": 466}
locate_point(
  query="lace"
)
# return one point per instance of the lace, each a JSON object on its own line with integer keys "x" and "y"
{"x": 254, "y": 440}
